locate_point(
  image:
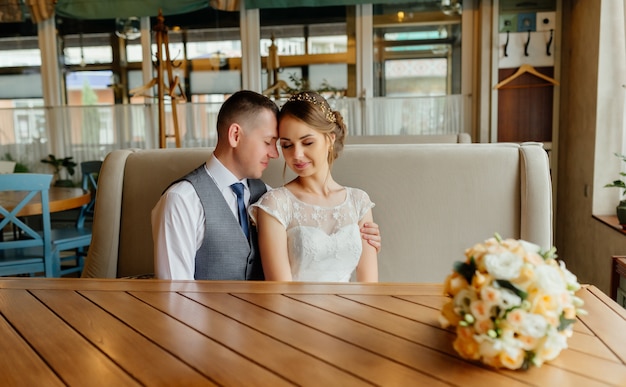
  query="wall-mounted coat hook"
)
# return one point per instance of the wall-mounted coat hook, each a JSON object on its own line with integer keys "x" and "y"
{"x": 549, "y": 43}
{"x": 526, "y": 45}
{"x": 506, "y": 44}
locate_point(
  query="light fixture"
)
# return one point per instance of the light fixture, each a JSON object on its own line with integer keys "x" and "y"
{"x": 82, "y": 52}
{"x": 128, "y": 28}
{"x": 450, "y": 7}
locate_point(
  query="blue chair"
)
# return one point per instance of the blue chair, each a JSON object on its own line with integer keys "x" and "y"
{"x": 32, "y": 253}
{"x": 38, "y": 251}
{"x": 90, "y": 171}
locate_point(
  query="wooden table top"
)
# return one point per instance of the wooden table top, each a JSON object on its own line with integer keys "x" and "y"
{"x": 61, "y": 199}
{"x": 149, "y": 332}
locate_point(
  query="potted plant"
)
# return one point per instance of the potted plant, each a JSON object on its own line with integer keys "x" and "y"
{"x": 621, "y": 208}
{"x": 19, "y": 167}
{"x": 59, "y": 165}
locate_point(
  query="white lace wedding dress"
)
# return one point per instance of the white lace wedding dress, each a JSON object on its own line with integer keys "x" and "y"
{"x": 324, "y": 243}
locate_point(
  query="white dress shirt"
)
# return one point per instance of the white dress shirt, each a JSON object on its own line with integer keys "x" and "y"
{"x": 178, "y": 222}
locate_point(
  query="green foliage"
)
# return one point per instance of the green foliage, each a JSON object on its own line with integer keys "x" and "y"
{"x": 59, "y": 164}
{"x": 620, "y": 182}
{"x": 302, "y": 84}
{"x": 466, "y": 269}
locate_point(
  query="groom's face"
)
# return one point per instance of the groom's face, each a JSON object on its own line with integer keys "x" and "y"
{"x": 258, "y": 145}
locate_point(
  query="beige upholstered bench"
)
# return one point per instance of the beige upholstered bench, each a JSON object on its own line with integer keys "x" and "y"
{"x": 432, "y": 202}
{"x": 461, "y": 138}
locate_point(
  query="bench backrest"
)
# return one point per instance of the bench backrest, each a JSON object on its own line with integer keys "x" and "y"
{"x": 432, "y": 201}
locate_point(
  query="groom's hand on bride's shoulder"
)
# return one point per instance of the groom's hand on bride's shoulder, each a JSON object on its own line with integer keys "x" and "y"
{"x": 371, "y": 233}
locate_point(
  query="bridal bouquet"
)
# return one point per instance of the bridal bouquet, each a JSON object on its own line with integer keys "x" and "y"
{"x": 513, "y": 306}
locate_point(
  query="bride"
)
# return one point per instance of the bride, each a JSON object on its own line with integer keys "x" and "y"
{"x": 309, "y": 228}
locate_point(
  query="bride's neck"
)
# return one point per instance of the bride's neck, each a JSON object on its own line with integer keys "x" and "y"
{"x": 318, "y": 187}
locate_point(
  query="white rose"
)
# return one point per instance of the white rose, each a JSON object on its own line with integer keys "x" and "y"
{"x": 463, "y": 300}
{"x": 504, "y": 266}
{"x": 553, "y": 345}
{"x": 489, "y": 347}
{"x": 530, "y": 247}
{"x": 534, "y": 325}
{"x": 508, "y": 299}
{"x": 549, "y": 279}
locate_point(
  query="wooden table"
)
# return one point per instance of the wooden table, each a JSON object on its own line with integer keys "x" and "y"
{"x": 61, "y": 199}
{"x": 86, "y": 332}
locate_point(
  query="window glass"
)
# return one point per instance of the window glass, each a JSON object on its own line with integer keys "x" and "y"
{"x": 16, "y": 86}
{"x": 19, "y": 52}
{"x": 410, "y": 77}
{"x": 28, "y": 123}
{"x": 416, "y": 50}
{"x": 312, "y": 52}
{"x": 215, "y": 57}
{"x": 89, "y": 88}
{"x": 84, "y": 49}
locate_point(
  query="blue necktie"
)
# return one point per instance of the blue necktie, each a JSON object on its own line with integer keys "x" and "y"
{"x": 238, "y": 188}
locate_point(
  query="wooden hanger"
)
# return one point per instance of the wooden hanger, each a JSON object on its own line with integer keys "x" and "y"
{"x": 280, "y": 85}
{"x": 526, "y": 68}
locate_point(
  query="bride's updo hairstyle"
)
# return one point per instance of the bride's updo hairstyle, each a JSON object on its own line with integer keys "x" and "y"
{"x": 313, "y": 109}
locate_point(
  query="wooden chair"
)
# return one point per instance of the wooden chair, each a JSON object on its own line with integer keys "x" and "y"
{"x": 33, "y": 252}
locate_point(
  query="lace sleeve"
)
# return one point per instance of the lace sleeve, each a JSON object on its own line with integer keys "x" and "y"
{"x": 275, "y": 203}
{"x": 362, "y": 202}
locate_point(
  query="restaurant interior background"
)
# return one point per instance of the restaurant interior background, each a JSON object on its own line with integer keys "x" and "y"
{"x": 391, "y": 68}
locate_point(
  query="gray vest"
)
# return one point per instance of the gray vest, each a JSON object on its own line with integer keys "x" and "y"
{"x": 225, "y": 253}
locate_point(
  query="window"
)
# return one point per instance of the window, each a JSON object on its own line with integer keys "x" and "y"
{"x": 312, "y": 55}
{"x": 84, "y": 49}
{"x": 416, "y": 51}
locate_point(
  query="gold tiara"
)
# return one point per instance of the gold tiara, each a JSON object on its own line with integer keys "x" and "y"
{"x": 330, "y": 116}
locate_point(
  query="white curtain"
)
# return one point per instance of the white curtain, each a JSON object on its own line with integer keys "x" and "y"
{"x": 91, "y": 132}
{"x": 415, "y": 116}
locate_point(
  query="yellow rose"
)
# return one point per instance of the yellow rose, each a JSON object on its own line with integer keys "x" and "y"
{"x": 514, "y": 246}
{"x": 534, "y": 259}
{"x": 552, "y": 318}
{"x": 480, "y": 280}
{"x": 526, "y": 276}
{"x": 483, "y": 326}
{"x": 449, "y": 316}
{"x": 490, "y": 295}
{"x": 465, "y": 344}
{"x": 454, "y": 283}
{"x": 480, "y": 310}
{"x": 476, "y": 251}
{"x": 516, "y": 317}
{"x": 492, "y": 361}
{"x": 512, "y": 358}
{"x": 527, "y": 342}
{"x": 543, "y": 303}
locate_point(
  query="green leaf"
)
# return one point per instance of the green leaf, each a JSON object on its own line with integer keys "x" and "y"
{"x": 565, "y": 322}
{"x": 508, "y": 285}
{"x": 465, "y": 269}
